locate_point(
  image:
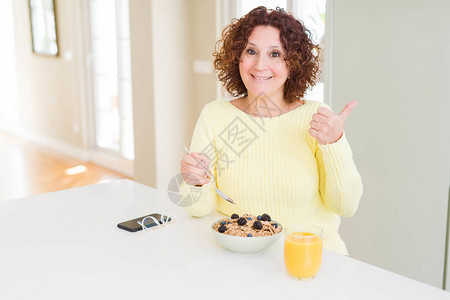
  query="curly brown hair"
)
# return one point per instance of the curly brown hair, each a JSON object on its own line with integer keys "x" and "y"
{"x": 301, "y": 54}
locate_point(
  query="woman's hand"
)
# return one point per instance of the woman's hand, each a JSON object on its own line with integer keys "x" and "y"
{"x": 191, "y": 169}
{"x": 328, "y": 127}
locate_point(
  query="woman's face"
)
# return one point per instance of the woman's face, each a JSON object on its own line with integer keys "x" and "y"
{"x": 262, "y": 65}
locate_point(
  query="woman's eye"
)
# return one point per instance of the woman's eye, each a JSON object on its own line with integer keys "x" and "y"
{"x": 251, "y": 51}
{"x": 275, "y": 54}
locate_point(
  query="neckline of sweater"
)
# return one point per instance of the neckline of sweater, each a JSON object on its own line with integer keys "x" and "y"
{"x": 270, "y": 118}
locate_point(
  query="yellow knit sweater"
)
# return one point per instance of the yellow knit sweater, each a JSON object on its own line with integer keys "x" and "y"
{"x": 274, "y": 166}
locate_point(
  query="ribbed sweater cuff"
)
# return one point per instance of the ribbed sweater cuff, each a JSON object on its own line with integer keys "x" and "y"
{"x": 203, "y": 203}
{"x": 338, "y": 160}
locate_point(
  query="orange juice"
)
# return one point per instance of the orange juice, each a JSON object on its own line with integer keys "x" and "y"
{"x": 303, "y": 254}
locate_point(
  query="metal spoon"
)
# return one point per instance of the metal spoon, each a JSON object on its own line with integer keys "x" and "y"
{"x": 219, "y": 192}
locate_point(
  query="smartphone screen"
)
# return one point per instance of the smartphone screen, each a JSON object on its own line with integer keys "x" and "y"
{"x": 133, "y": 225}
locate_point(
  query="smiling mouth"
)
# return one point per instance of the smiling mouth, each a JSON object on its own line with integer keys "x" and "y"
{"x": 261, "y": 78}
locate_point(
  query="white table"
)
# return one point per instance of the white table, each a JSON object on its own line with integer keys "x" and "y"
{"x": 65, "y": 245}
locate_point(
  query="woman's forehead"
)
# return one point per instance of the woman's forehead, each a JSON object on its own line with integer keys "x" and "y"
{"x": 266, "y": 36}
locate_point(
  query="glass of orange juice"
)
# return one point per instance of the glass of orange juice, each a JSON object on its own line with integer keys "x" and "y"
{"x": 303, "y": 250}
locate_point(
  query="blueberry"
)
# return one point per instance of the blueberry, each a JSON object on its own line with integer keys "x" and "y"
{"x": 257, "y": 225}
{"x": 249, "y": 235}
{"x": 228, "y": 222}
{"x": 235, "y": 216}
{"x": 266, "y": 217}
{"x": 259, "y": 217}
{"x": 242, "y": 221}
{"x": 222, "y": 228}
{"x": 223, "y": 223}
{"x": 249, "y": 218}
{"x": 275, "y": 225}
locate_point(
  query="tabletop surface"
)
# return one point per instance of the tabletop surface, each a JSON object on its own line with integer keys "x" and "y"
{"x": 66, "y": 245}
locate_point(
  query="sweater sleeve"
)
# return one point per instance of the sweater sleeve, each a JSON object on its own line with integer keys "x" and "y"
{"x": 204, "y": 197}
{"x": 339, "y": 181}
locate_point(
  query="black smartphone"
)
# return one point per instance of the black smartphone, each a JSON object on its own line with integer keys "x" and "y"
{"x": 133, "y": 225}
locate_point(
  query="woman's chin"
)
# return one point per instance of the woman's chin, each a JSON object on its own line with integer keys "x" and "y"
{"x": 259, "y": 92}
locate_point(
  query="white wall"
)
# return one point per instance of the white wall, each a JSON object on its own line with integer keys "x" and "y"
{"x": 393, "y": 57}
{"x": 172, "y": 81}
{"x": 204, "y": 41}
{"x": 182, "y": 31}
{"x": 49, "y": 88}
{"x": 9, "y": 108}
{"x": 142, "y": 83}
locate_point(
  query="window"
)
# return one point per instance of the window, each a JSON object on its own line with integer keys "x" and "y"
{"x": 244, "y": 6}
{"x": 43, "y": 27}
{"x": 312, "y": 13}
{"x": 111, "y": 74}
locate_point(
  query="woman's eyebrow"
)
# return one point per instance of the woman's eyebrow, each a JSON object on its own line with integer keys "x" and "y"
{"x": 254, "y": 45}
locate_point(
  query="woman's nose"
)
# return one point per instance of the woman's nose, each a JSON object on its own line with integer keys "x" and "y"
{"x": 261, "y": 63}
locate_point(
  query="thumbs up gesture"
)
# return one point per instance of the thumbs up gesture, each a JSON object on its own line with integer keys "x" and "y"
{"x": 328, "y": 127}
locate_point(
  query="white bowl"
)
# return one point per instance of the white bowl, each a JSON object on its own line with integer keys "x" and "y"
{"x": 242, "y": 244}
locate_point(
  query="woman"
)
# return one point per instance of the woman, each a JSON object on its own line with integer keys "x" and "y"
{"x": 269, "y": 150}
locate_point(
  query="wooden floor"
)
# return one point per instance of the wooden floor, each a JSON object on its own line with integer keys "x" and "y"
{"x": 28, "y": 169}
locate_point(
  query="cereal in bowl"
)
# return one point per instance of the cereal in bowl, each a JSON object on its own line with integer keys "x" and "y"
{"x": 247, "y": 225}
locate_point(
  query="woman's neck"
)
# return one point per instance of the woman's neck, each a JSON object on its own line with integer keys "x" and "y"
{"x": 264, "y": 106}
